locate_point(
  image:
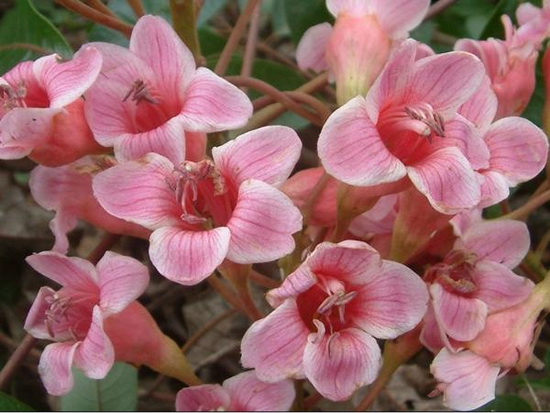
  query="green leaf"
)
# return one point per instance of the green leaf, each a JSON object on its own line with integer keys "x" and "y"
{"x": 301, "y": 15}
{"x": 9, "y": 403}
{"x": 494, "y": 27}
{"x": 24, "y": 24}
{"x": 116, "y": 392}
{"x": 507, "y": 403}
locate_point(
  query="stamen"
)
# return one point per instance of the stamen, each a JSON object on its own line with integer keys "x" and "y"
{"x": 432, "y": 119}
{"x": 140, "y": 92}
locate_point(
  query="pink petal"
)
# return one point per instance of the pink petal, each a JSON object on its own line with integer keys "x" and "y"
{"x": 340, "y": 363}
{"x": 311, "y": 50}
{"x": 121, "y": 281}
{"x": 446, "y": 178}
{"x": 204, "y": 398}
{"x": 65, "y": 82}
{"x": 262, "y": 224}
{"x": 461, "y": 318}
{"x": 499, "y": 287}
{"x": 167, "y": 140}
{"x": 95, "y": 356}
{"x": 137, "y": 191}
{"x": 213, "y": 104}
{"x": 351, "y": 149}
{"x": 453, "y": 78}
{"x": 274, "y": 345}
{"x": 481, "y": 108}
{"x": 173, "y": 64}
{"x": 519, "y": 149}
{"x": 494, "y": 188}
{"x": 55, "y": 367}
{"x": 398, "y": 17}
{"x": 268, "y": 154}
{"x": 392, "y": 302}
{"x": 248, "y": 393}
{"x": 73, "y": 272}
{"x": 504, "y": 241}
{"x": 430, "y": 336}
{"x": 354, "y": 7}
{"x": 35, "y": 323}
{"x": 467, "y": 379}
{"x": 299, "y": 281}
{"x": 188, "y": 257}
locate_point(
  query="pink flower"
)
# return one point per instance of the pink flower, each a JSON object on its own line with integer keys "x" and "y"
{"x": 74, "y": 316}
{"x": 328, "y": 314}
{"x": 243, "y": 392}
{"x": 408, "y": 125}
{"x": 41, "y": 110}
{"x": 203, "y": 212}
{"x": 356, "y": 49}
{"x": 67, "y": 190}
{"x": 466, "y": 380}
{"x": 474, "y": 280}
{"x": 147, "y": 98}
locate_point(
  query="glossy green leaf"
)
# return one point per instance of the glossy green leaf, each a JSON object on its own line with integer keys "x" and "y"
{"x": 11, "y": 404}
{"x": 494, "y": 27}
{"x": 507, "y": 403}
{"x": 24, "y": 25}
{"x": 301, "y": 15}
{"x": 116, "y": 392}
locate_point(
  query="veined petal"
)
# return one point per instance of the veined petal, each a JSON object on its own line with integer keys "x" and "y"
{"x": 494, "y": 188}
{"x": 299, "y": 281}
{"x": 167, "y": 140}
{"x": 519, "y": 149}
{"x": 248, "y": 393}
{"x": 262, "y": 224}
{"x": 481, "y": 108}
{"x": 274, "y": 345}
{"x": 35, "y": 323}
{"x": 467, "y": 379}
{"x": 157, "y": 44}
{"x": 340, "y": 363}
{"x": 504, "y": 241}
{"x": 95, "y": 356}
{"x": 121, "y": 280}
{"x": 398, "y": 17}
{"x": 268, "y": 154}
{"x": 213, "y": 104}
{"x": 390, "y": 303}
{"x": 461, "y": 318}
{"x": 137, "y": 191}
{"x": 188, "y": 257}
{"x": 310, "y": 53}
{"x": 73, "y": 272}
{"x": 203, "y": 398}
{"x": 67, "y": 81}
{"x": 351, "y": 149}
{"x": 448, "y": 181}
{"x": 55, "y": 367}
{"x": 499, "y": 287}
{"x": 353, "y": 7}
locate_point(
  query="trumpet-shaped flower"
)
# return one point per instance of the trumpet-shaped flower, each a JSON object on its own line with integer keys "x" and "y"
{"x": 356, "y": 49}
{"x": 203, "y": 212}
{"x": 328, "y": 314}
{"x": 243, "y": 392}
{"x": 147, "y": 98}
{"x": 74, "y": 316}
{"x": 41, "y": 110}
{"x": 408, "y": 125}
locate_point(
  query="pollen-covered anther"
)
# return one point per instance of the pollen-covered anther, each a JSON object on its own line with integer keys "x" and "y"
{"x": 432, "y": 119}
{"x": 139, "y": 91}
{"x": 13, "y": 97}
{"x": 57, "y": 311}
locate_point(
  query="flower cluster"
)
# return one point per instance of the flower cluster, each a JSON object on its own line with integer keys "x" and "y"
{"x": 383, "y": 240}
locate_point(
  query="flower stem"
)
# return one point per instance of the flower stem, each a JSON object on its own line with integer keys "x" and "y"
{"x": 137, "y": 7}
{"x": 523, "y": 212}
{"x": 184, "y": 16}
{"x": 16, "y": 359}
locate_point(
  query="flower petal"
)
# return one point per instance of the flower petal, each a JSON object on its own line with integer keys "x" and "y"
{"x": 447, "y": 179}
{"x": 55, "y": 367}
{"x": 121, "y": 280}
{"x": 391, "y": 303}
{"x": 262, "y": 224}
{"x": 248, "y": 393}
{"x": 299, "y": 281}
{"x": 397, "y": 17}
{"x": 73, "y": 272}
{"x": 203, "y": 398}
{"x": 138, "y": 191}
{"x": 338, "y": 364}
{"x": 274, "y": 345}
{"x": 213, "y": 104}
{"x": 310, "y": 53}
{"x": 35, "y": 323}
{"x": 96, "y": 355}
{"x": 268, "y": 154}
{"x": 188, "y": 257}
{"x": 351, "y": 149}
